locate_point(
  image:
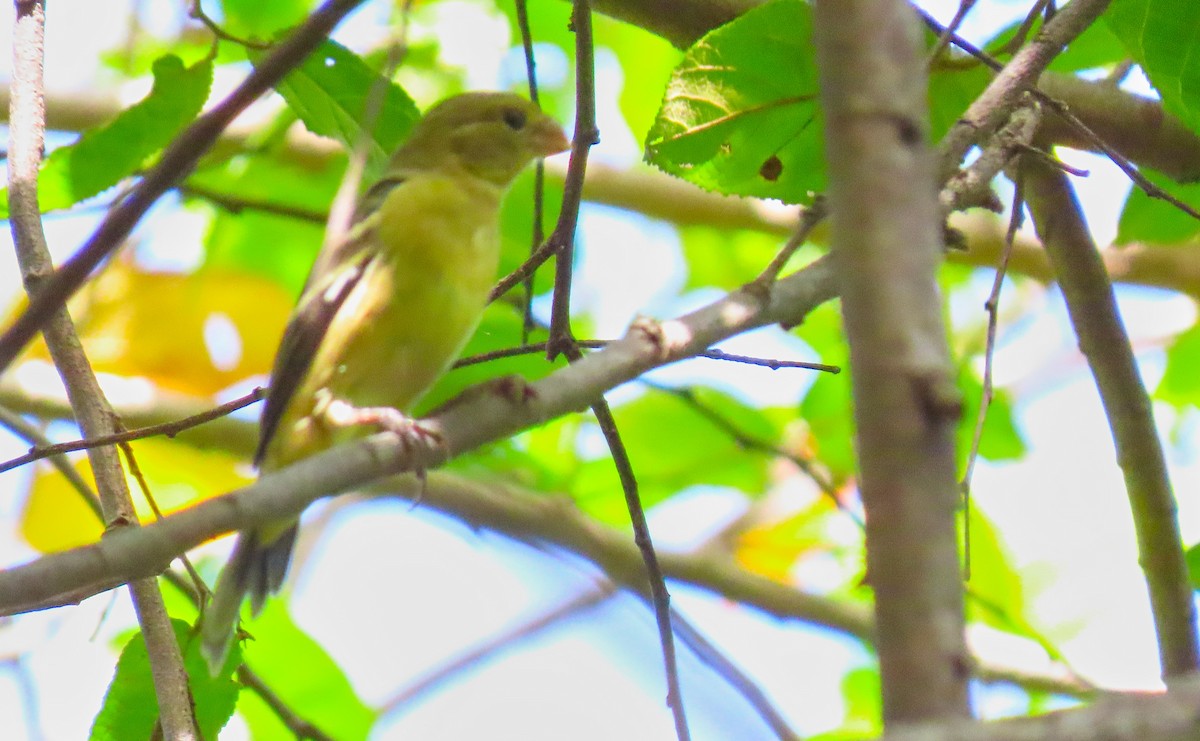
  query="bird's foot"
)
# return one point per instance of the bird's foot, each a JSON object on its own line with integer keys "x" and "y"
{"x": 415, "y": 437}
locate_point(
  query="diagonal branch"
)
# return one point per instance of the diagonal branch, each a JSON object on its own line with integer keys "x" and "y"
{"x": 535, "y": 517}
{"x": 1103, "y": 341}
{"x": 989, "y": 111}
{"x": 473, "y": 421}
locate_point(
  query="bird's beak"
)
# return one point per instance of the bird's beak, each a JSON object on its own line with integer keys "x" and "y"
{"x": 548, "y": 138}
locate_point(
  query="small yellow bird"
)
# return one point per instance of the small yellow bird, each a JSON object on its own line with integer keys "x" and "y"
{"x": 386, "y": 310}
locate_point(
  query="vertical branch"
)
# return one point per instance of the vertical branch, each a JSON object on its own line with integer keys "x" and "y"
{"x": 539, "y": 171}
{"x": 562, "y": 341}
{"x": 887, "y": 243}
{"x": 95, "y": 416}
{"x": 1103, "y": 341}
{"x": 586, "y": 134}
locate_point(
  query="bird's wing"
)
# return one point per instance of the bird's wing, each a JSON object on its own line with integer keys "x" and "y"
{"x": 334, "y": 275}
{"x": 307, "y": 328}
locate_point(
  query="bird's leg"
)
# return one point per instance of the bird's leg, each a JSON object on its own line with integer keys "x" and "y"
{"x": 413, "y": 435}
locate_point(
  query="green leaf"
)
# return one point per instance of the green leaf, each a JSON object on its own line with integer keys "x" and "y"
{"x": 951, "y": 91}
{"x": 303, "y": 676}
{"x": 330, "y": 92}
{"x": 827, "y": 407}
{"x": 130, "y": 708}
{"x": 740, "y": 114}
{"x": 1161, "y": 36}
{"x": 1097, "y": 47}
{"x": 1193, "y": 566}
{"x": 995, "y": 592}
{"x": 672, "y": 445}
{"x": 103, "y": 157}
{"x": 244, "y": 237}
{"x": 544, "y": 459}
{"x": 263, "y": 19}
{"x": 1180, "y": 384}
{"x": 499, "y": 329}
{"x": 1153, "y": 220}
{"x": 1000, "y": 439}
{"x": 726, "y": 258}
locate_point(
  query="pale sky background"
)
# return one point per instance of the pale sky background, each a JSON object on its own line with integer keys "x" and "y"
{"x": 1062, "y": 509}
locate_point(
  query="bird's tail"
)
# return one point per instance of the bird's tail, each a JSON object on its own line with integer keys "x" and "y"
{"x": 256, "y": 569}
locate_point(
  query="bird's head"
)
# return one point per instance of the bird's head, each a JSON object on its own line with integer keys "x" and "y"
{"x": 490, "y": 135}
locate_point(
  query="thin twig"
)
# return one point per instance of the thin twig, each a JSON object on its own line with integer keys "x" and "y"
{"x": 660, "y": 599}
{"x": 169, "y": 429}
{"x": 302, "y": 729}
{"x": 196, "y": 12}
{"x": 810, "y": 217}
{"x": 712, "y": 354}
{"x": 950, "y": 147}
{"x": 748, "y": 441}
{"x": 960, "y": 15}
{"x": 586, "y": 134}
{"x": 237, "y": 204}
{"x": 537, "y": 235}
{"x": 734, "y": 676}
{"x": 19, "y": 427}
{"x": 992, "y": 308}
{"x": 135, "y": 470}
{"x": 993, "y": 106}
{"x": 575, "y": 605}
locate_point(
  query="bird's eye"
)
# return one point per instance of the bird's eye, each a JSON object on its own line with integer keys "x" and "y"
{"x": 515, "y": 119}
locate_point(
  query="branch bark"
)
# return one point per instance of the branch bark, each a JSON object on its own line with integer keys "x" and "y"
{"x": 989, "y": 111}
{"x": 91, "y": 409}
{"x": 1173, "y": 716}
{"x": 1103, "y": 341}
{"x": 886, "y": 230}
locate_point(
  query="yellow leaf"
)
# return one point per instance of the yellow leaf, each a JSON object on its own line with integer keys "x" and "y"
{"x": 56, "y": 517}
{"x": 773, "y": 548}
{"x": 177, "y": 475}
{"x": 197, "y": 334}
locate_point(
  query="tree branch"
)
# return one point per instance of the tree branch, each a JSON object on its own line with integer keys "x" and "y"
{"x": 989, "y": 111}
{"x": 91, "y": 409}
{"x": 886, "y": 234}
{"x": 1103, "y": 341}
{"x": 537, "y": 517}
{"x": 1173, "y": 716}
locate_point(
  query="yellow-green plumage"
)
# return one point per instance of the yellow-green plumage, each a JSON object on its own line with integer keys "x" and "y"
{"x": 387, "y": 308}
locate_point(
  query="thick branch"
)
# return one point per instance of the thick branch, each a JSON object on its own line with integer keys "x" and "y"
{"x": 886, "y": 235}
{"x": 1136, "y": 127}
{"x": 1103, "y": 341}
{"x": 537, "y": 517}
{"x": 479, "y": 418}
{"x": 1174, "y": 716}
